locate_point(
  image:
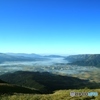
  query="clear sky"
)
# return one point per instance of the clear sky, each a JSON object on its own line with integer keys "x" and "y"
{"x": 50, "y": 26}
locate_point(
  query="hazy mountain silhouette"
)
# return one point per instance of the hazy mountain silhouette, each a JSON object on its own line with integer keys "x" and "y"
{"x": 84, "y": 60}
{"x": 20, "y": 57}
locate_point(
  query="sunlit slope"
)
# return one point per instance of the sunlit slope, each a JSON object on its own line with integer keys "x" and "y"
{"x": 58, "y": 95}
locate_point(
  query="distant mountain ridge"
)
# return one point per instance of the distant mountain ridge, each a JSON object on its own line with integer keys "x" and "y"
{"x": 84, "y": 60}
{"x": 20, "y": 57}
{"x": 25, "y": 57}
{"x": 54, "y": 56}
{"x": 24, "y": 54}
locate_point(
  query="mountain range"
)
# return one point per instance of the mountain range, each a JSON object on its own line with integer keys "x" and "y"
{"x": 20, "y": 57}
{"x": 84, "y": 60}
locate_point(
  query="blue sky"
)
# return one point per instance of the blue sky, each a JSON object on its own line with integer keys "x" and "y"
{"x": 50, "y": 26}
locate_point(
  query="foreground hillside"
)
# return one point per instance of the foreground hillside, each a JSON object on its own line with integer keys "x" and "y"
{"x": 6, "y": 88}
{"x": 46, "y": 82}
{"x": 58, "y": 95}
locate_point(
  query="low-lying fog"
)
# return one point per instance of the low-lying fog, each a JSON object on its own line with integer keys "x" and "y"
{"x": 53, "y": 65}
{"x": 42, "y": 63}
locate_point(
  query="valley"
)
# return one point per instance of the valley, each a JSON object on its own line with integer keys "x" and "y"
{"x": 52, "y": 65}
{"x": 46, "y": 74}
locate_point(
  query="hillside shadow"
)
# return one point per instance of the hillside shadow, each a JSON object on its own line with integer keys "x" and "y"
{"x": 46, "y": 82}
{"x": 6, "y": 88}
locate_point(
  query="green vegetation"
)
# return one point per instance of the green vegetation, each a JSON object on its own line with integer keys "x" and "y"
{"x": 57, "y": 95}
{"x": 92, "y": 76}
{"x": 25, "y": 85}
{"x": 47, "y": 82}
{"x": 13, "y": 92}
{"x": 6, "y": 88}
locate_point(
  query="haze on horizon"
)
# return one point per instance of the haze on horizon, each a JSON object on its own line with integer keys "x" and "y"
{"x": 50, "y": 26}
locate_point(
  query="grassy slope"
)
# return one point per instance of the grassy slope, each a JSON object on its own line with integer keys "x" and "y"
{"x": 58, "y": 95}
{"x": 46, "y": 82}
{"x": 92, "y": 76}
{"x": 6, "y": 88}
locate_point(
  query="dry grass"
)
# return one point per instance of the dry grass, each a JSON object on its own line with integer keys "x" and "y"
{"x": 57, "y": 95}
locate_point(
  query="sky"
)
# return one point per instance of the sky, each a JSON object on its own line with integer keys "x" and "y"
{"x": 50, "y": 26}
